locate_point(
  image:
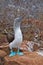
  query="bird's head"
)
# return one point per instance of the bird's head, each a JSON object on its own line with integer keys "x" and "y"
{"x": 18, "y": 19}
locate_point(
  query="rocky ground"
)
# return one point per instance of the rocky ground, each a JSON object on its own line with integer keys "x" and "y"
{"x": 33, "y": 40}
{"x": 29, "y": 58}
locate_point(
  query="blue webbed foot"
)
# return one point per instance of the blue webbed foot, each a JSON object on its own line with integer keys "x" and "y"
{"x": 20, "y": 53}
{"x": 12, "y": 54}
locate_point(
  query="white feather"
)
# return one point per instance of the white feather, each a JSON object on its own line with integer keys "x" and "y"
{"x": 18, "y": 34}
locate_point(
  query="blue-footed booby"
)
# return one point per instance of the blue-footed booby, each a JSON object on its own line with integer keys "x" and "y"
{"x": 16, "y": 43}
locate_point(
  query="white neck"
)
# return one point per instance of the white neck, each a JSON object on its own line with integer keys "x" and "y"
{"x": 17, "y": 30}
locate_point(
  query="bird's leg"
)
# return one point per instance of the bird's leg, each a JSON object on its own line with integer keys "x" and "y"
{"x": 12, "y": 53}
{"x": 19, "y": 52}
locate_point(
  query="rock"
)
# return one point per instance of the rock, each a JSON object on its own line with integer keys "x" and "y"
{"x": 9, "y": 36}
{"x": 3, "y": 39}
{"x": 27, "y": 59}
{"x": 4, "y": 43}
{"x": 1, "y": 61}
{"x": 5, "y": 48}
{"x": 41, "y": 35}
{"x": 30, "y": 46}
{"x": 35, "y": 47}
{"x": 2, "y": 53}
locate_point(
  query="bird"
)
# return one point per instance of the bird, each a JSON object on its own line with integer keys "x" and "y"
{"x": 18, "y": 37}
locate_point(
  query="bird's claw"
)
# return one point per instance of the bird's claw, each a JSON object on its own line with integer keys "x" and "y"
{"x": 12, "y": 54}
{"x": 20, "y": 53}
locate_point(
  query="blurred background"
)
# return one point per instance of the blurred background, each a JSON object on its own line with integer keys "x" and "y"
{"x": 32, "y": 24}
